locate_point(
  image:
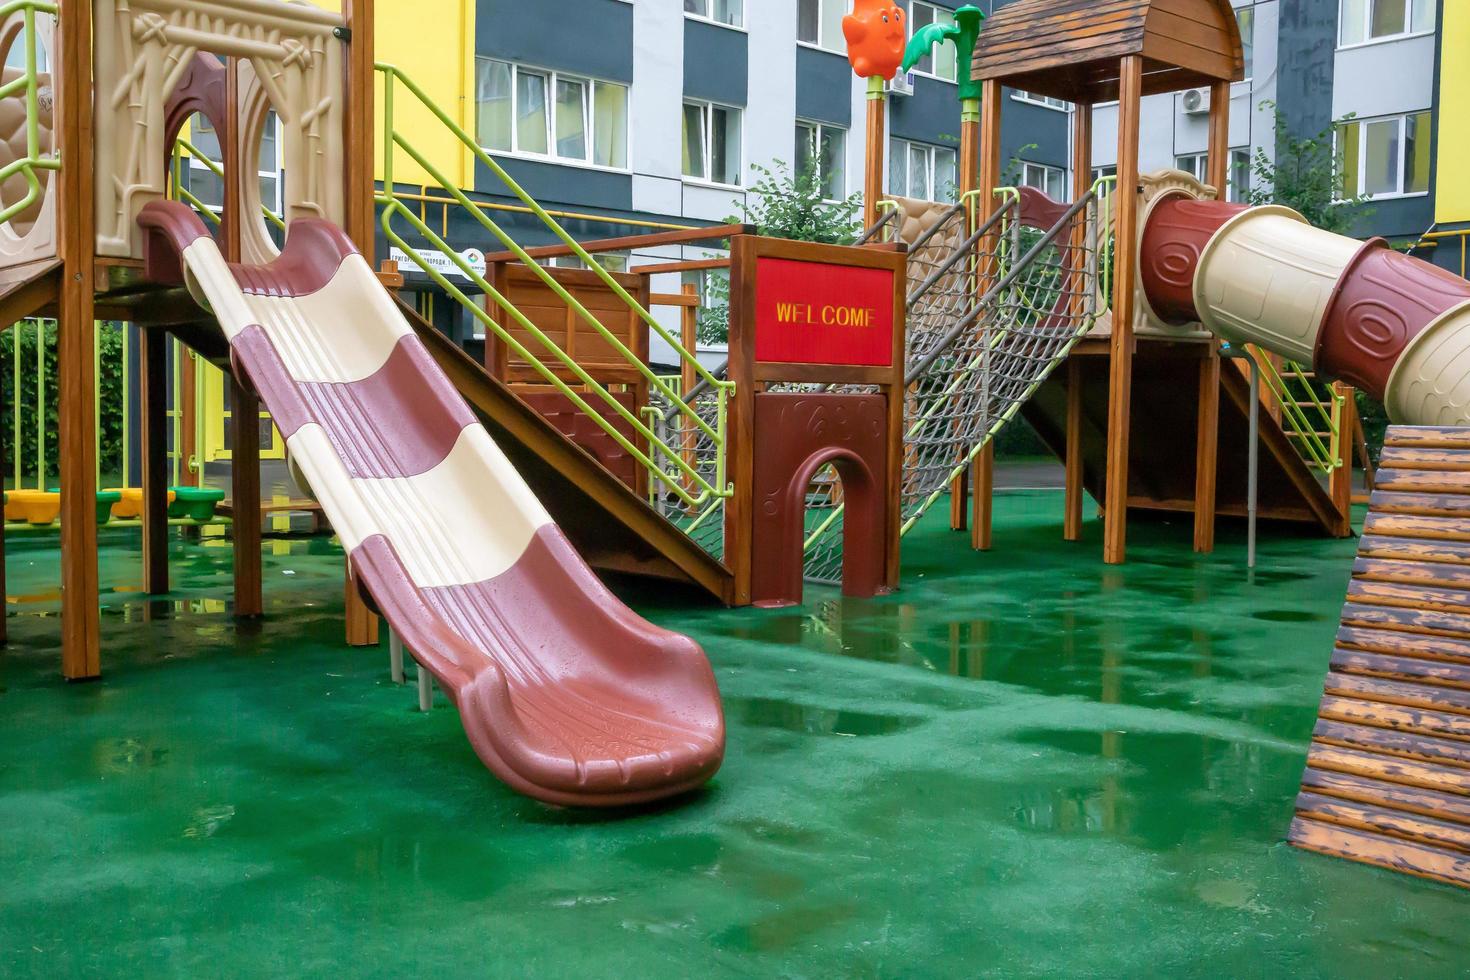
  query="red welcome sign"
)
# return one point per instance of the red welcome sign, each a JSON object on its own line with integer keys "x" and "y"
{"x": 818, "y": 313}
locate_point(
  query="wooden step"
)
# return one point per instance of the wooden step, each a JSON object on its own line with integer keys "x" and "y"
{"x": 1388, "y": 772}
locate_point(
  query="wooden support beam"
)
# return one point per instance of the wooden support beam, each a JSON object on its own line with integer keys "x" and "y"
{"x": 362, "y": 623}
{"x": 1206, "y": 453}
{"x": 361, "y": 146}
{"x": 877, "y": 143}
{"x": 969, "y": 172}
{"x": 245, "y": 493}
{"x": 988, "y": 178}
{"x": 1072, "y": 502}
{"x": 1217, "y": 164}
{"x": 1125, "y": 270}
{"x": 76, "y": 222}
{"x": 154, "y": 452}
{"x": 1342, "y": 477}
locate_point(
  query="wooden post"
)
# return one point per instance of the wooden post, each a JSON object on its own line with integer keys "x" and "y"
{"x": 1125, "y": 270}
{"x": 1072, "y": 505}
{"x": 245, "y": 491}
{"x": 1342, "y": 477}
{"x": 76, "y": 222}
{"x": 876, "y": 143}
{"x": 1072, "y": 461}
{"x": 969, "y": 166}
{"x": 740, "y": 429}
{"x": 362, "y": 625}
{"x": 154, "y": 450}
{"x": 983, "y": 471}
{"x": 1206, "y": 453}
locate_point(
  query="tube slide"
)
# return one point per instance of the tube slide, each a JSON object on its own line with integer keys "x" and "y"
{"x": 565, "y": 693}
{"x": 1390, "y": 324}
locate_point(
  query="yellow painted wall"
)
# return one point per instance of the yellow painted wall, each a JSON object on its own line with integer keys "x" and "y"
{"x": 433, "y": 43}
{"x": 1453, "y": 188}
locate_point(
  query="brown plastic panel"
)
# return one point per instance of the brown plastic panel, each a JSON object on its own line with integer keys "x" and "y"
{"x": 1038, "y": 211}
{"x": 1384, "y": 300}
{"x": 795, "y": 436}
{"x": 1178, "y": 230}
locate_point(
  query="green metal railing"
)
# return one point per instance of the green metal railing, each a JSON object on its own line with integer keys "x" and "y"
{"x": 665, "y": 464}
{"x": 1311, "y": 419}
{"x": 27, "y": 85}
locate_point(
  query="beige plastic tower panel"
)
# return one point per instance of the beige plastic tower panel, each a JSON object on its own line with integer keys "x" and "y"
{"x": 1153, "y": 188}
{"x": 141, "y": 50}
{"x": 1430, "y": 384}
{"x": 1266, "y": 278}
{"x": 30, "y": 235}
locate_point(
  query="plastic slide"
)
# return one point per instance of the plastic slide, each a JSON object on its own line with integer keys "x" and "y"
{"x": 1390, "y": 324}
{"x": 565, "y": 693}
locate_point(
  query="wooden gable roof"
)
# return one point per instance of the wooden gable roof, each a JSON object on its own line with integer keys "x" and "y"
{"x": 1069, "y": 49}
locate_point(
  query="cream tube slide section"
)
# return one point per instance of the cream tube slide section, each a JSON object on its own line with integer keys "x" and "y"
{"x": 565, "y": 693}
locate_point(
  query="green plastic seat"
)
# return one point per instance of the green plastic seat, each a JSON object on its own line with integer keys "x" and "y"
{"x": 195, "y": 503}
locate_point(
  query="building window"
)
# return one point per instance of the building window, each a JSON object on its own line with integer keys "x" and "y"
{"x": 921, "y": 171}
{"x": 940, "y": 62}
{"x": 712, "y": 143}
{"x": 202, "y": 182}
{"x": 1098, "y": 173}
{"x": 1386, "y": 157}
{"x": 1051, "y": 181}
{"x": 1237, "y": 183}
{"x": 1246, "y": 18}
{"x": 611, "y": 261}
{"x": 1375, "y": 20}
{"x": 819, "y": 22}
{"x": 822, "y": 151}
{"x": 1049, "y": 101}
{"x": 550, "y": 114}
{"x": 728, "y": 12}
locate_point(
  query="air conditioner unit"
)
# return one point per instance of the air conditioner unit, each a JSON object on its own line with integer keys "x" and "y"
{"x": 1196, "y": 101}
{"x": 902, "y": 84}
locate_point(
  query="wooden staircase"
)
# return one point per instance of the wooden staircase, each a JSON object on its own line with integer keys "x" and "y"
{"x": 1162, "y": 438}
{"x": 1388, "y": 774}
{"x": 612, "y": 527}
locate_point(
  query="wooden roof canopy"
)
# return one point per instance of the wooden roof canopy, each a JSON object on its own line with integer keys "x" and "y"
{"x": 1070, "y": 49}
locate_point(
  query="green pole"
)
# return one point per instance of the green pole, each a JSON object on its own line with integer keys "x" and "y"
{"x": 96, "y": 405}
{"x": 126, "y": 415}
{"x": 15, "y": 404}
{"x": 40, "y": 405}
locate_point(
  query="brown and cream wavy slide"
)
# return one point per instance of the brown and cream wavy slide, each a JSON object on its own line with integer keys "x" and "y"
{"x": 566, "y": 694}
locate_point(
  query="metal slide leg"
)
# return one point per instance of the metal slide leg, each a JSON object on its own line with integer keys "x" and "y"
{"x": 395, "y": 656}
{"x": 426, "y": 689}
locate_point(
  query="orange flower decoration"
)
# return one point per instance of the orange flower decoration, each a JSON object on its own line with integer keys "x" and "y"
{"x": 876, "y": 34}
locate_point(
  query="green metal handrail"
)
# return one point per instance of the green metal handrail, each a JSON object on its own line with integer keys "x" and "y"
{"x": 1300, "y": 426}
{"x": 28, "y": 82}
{"x": 683, "y": 475}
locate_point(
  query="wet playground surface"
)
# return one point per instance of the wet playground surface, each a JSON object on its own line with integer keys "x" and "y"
{"x": 1025, "y": 763}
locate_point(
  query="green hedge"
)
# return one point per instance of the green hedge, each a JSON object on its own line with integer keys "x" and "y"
{"x": 110, "y": 338}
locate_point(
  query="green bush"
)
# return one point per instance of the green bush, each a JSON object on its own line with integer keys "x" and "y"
{"x": 110, "y": 341}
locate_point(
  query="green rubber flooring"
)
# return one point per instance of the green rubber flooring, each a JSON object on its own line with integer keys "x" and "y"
{"x": 1024, "y": 764}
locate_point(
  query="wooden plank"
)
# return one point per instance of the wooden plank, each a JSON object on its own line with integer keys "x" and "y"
{"x": 1393, "y": 769}
{"x": 1430, "y": 574}
{"x": 1440, "y": 751}
{"x": 1424, "y": 458}
{"x": 153, "y": 381}
{"x": 1407, "y": 620}
{"x": 1423, "y": 481}
{"x": 1421, "y": 504}
{"x": 1410, "y": 799}
{"x": 1380, "y": 820}
{"x": 76, "y": 225}
{"x": 1398, "y": 644}
{"x": 1347, "y": 665}
{"x": 1408, "y": 597}
{"x": 361, "y": 156}
{"x": 1413, "y": 549}
{"x": 1410, "y": 526}
{"x": 1396, "y": 718}
{"x": 1435, "y": 697}
{"x": 1403, "y": 856}
{"x": 1444, "y": 437}
{"x": 1120, "y": 376}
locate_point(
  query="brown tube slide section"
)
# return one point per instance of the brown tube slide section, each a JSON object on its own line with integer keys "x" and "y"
{"x": 1383, "y": 300}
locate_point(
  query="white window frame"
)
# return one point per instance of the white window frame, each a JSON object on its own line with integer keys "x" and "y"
{"x": 1403, "y": 121}
{"x": 817, "y": 130}
{"x": 196, "y": 165}
{"x": 707, "y": 108}
{"x": 835, "y": 45}
{"x": 1369, "y": 39}
{"x": 1250, "y": 69}
{"x": 589, "y": 117}
{"x": 1045, "y": 101}
{"x": 937, "y": 9}
{"x": 1197, "y": 165}
{"x": 738, "y": 25}
{"x": 930, "y": 154}
{"x": 1045, "y": 171}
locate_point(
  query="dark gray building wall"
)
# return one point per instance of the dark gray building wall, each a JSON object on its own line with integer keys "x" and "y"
{"x": 823, "y": 87}
{"x": 930, "y": 115}
{"x": 1034, "y": 133}
{"x": 716, "y": 63}
{"x": 592, "y": 37}
{"x": 1307, "y": 41}
{"x": 557, "y": 185}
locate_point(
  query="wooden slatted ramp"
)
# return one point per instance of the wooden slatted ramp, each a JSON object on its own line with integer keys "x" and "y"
{"x": 1388, "y": 774}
